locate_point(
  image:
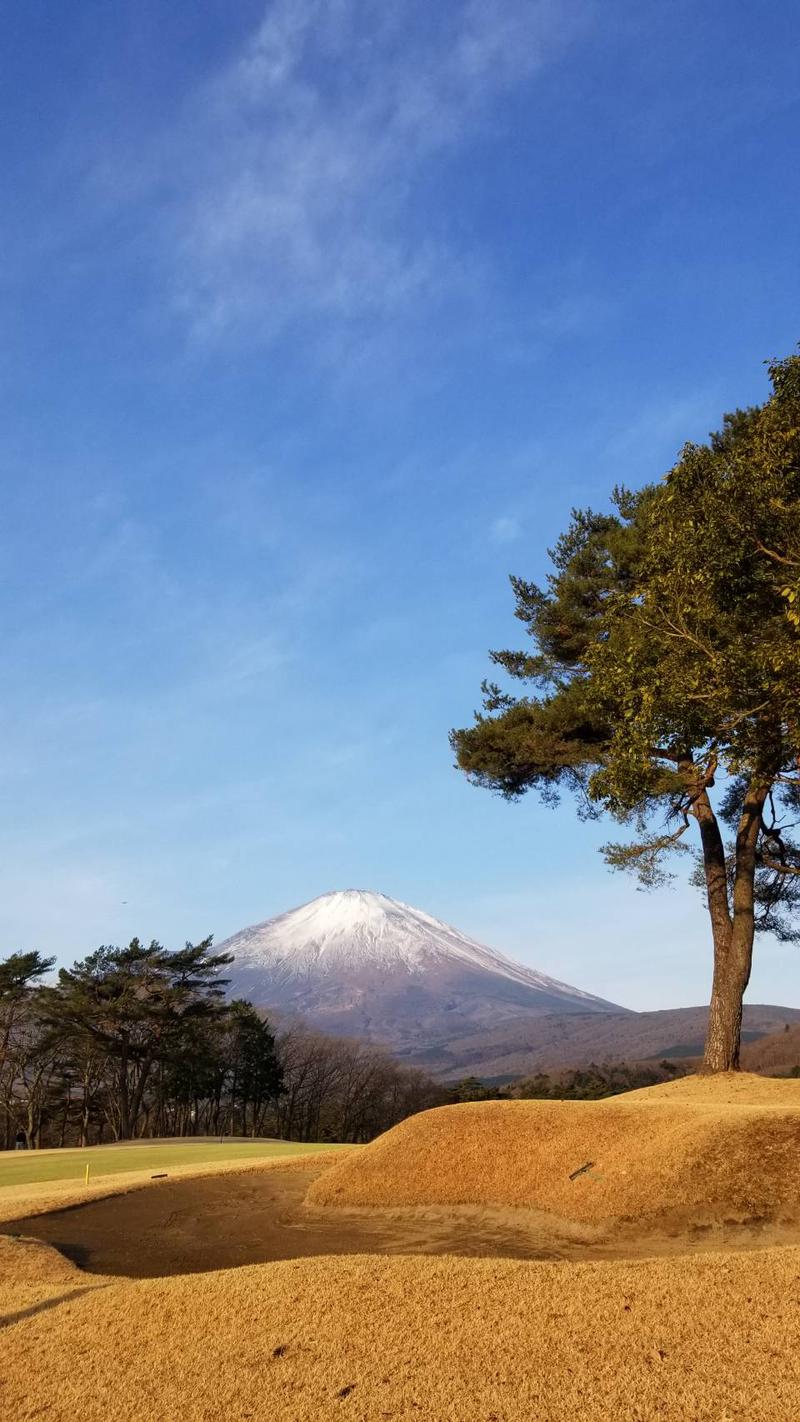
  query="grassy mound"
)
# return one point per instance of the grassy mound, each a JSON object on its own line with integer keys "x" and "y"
{"x": 33, "y": 1273}
{"x": 695, "y": 1340}
{"x": 733, "y": 1088}
{"x": 703, "y": 1149}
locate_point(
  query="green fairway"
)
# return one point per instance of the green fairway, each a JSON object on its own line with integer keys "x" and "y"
{"x": 29, "y": 1167}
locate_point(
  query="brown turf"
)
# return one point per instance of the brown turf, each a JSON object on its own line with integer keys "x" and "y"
{"x": 435, "y": 1340}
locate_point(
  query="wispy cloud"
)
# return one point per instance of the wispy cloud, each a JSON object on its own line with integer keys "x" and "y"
{"x": 666, "y": 423}
{"x": 295, "y": 190}
{"x": 505, "y": 529}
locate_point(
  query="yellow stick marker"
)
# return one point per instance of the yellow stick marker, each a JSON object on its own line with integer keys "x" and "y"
{"x": 86, "y": 1181}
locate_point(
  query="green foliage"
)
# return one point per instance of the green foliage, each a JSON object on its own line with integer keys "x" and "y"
{"x": 594, "y": 1082}
{"x": 256, "y": 1074}
{"x": 666, "y": 645}
{"x": 138, "y": 1005}
{"x": 139, "y": 1041}
{"x": 27, "y": 1071}
{"x": 132, "y": 998}
{"x": 666, "y": 658}
{"x": 19, "y": 973}
{"x": 473, "y": 1089}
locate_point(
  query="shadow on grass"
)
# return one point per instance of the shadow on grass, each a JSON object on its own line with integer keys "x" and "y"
{"x": 9, "y": 1318}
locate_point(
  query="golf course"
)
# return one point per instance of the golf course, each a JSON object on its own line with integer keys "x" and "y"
{"x": 42, "y": 1166}
{"x": 503, "y": 1261}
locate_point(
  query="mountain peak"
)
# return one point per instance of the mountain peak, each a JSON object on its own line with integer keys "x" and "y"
{"x": 358, "y": 961}
{"x": 349, "y": 906}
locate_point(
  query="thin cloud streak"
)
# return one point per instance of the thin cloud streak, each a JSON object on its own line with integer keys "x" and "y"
{"x": 295, "y": 196}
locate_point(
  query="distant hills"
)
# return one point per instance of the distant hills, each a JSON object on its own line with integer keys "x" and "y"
{"x": 777, "y": 1053}
{"x": 520, "y": 1049}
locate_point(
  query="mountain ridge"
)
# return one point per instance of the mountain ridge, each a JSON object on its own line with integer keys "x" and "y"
{"x": 511, "y": 1050}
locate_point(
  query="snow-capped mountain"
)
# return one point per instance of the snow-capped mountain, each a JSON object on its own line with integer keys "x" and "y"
{"x": 359, "y": 963}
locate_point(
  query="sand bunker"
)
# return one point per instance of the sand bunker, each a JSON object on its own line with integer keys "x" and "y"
{"x": 206, "y": 1224}
{"x": 697, "y": 1150}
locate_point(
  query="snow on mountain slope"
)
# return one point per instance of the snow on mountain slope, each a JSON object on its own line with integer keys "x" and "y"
{"x": 361, "y": 963}
{"x": 357, "y": 928}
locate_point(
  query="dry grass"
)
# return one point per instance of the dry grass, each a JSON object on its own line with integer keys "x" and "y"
{"x": 710, "y": 1338}
{"x": 32, "y": 1273}
{"x": 698, "y": 1148}
{"x": 440, "y": 1340}
{"x": 733, "y": 1088}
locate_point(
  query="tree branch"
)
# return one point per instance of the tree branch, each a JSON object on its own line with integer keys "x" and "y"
{"x": 791, "y": 871}
{"x": 777, "y": 557}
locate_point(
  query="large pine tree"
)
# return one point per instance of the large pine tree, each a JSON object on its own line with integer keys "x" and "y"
{"x": 664, "y": 682}
{"x": 137, "y": 1005}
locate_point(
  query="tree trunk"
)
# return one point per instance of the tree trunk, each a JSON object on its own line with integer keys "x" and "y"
{"x": 123, "y": 1089}
{"x": 733, "y": 940}
{"x": 83, "y": 1138}
{"x": 731, "y": 975}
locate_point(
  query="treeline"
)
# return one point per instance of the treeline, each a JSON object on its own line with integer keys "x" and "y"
{"x": 142, "y": 1042}
{"x": 593, "y": 1082}
{"x": 589, "y": 1083}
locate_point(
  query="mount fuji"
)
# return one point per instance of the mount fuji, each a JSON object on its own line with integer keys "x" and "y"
{"x": 360, "y": 964}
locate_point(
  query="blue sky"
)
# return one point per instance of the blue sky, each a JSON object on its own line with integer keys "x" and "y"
{"x": 319, "y": 317}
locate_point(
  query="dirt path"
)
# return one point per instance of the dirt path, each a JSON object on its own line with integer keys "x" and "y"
{"x": 219, "y": 1222}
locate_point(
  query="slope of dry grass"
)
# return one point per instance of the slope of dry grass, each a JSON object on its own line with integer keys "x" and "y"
{"x": 732, "y": 1088}
{"x": 443, "y": 1340}
{"x": 707, "y": 1148}
{"x": 32, "y": 1273}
